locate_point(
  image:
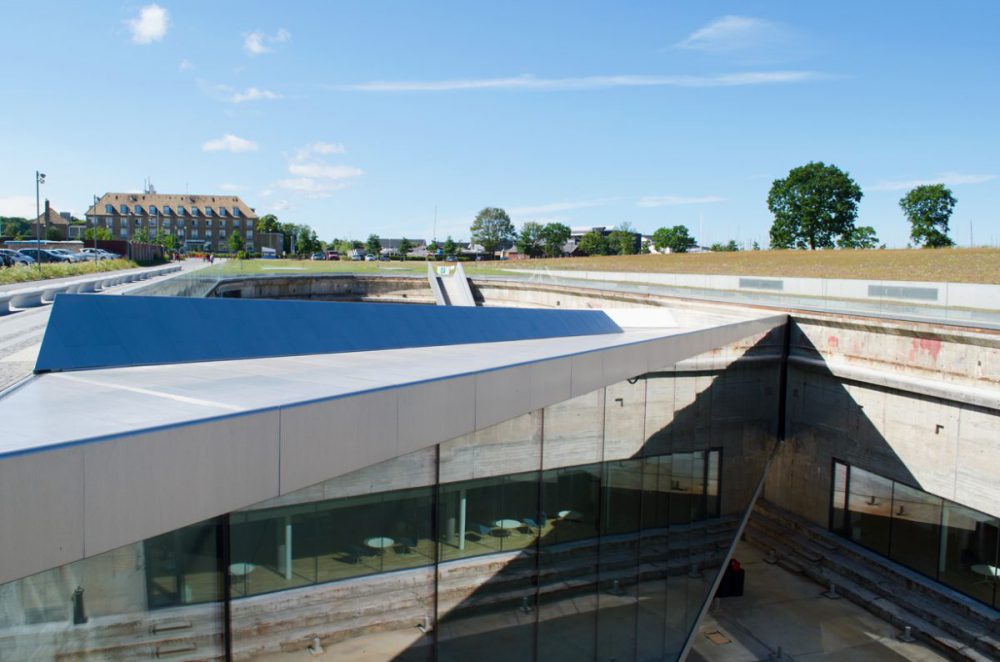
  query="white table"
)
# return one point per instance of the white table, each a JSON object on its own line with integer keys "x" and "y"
{"x": 241, "y": 569}
{"x": 991, "y": 573}
{"x": 379, "y": 542}
{"x": 507, "y": 524}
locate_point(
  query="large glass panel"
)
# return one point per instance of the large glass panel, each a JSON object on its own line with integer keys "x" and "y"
{"x": 350, "y": 561}
{"x": 182, "y": 567}
{"x": 488, "y": 603}
{"x": 870, "y": 505}
{"x": 507, "y": 448}
{"x": 713, "y": 495}
{"x": 621, "y": 512}
{"x": 567, "y": 563}
{"x": 489, "y": 515}
{"x": 838, "y": 509}
{"x": 574, "y": 431}
{"x": 916, "y": 529}
{"x": 624, "y": 420}
{"x": 271, "y": 550}
{"x": 968, "y": 552}
{"x": 653, "y": 590}
{"x": 77, "y": 611}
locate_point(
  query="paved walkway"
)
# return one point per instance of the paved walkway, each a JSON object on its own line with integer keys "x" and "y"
{"x": 780, "y": 609}
{"x": 21, "y": 332}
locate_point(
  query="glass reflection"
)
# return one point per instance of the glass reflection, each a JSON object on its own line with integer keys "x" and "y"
{"x": 945, "y": 541}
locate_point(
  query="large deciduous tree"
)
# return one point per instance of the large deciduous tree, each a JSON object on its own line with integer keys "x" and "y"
{"x": 373, "y": 245}
{"x": 405, "y": 246}
{"x": 530, "y": 242}
{"x": 623, "y": 240}
{"x": 236, "y": 242}
{"x": 594, "y": 243}
{"x": 678, "y": 239}
{"x": 491, "y": 229}
{"x": 268, "y": 223}
{"x": 928, "y": 208}
{"x": 307, "y": 241}
{"x": 813, "y": 206}
{"x": 554, "y": 237}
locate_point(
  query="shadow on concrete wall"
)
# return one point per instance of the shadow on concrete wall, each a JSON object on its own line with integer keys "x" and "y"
{"x": 633, "y": 594}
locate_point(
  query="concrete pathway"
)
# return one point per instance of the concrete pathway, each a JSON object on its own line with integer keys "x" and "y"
{"x": 21, "y": 332}
{"x": 780, "y": 609}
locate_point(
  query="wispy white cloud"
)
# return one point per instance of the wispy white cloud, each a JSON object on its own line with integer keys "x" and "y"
{"x": 17, "y": 205}
{"x": 314, "y": 177}
{"x": 232, "y": 188}
{"x": 230, "y": 94}
{"x": 258, "y": 43}
{"x": 254, "y": 94}
{"x": 149, "y": 25}
{"x": 328, "y": 148}
{"x": 946, "y": 178}
{"x": 325, "y": 149}
{"x": 282, "y": 205}
{"x": 676, "y": 200}
{"x": 185, "y": 65}
{"x": 557, "y": 206}
{"x": 734, "y": 33}
{"x": 529, "y": 82}
{"x": 229, "y": 143}
{"x": 313, "y": 188}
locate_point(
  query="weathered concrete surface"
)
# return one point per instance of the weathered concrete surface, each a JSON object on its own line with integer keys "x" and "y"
{"x": 913, "y": 402}
{"x": 328, "y": 287}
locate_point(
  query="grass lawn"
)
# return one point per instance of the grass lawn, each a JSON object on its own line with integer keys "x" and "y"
{"x": 956, "y": 265}
{"x": 12, "y": 275}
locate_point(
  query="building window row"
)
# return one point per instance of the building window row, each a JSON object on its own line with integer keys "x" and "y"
{"x": 167, "y": 210}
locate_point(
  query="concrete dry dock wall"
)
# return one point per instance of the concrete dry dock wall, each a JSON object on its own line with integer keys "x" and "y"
{"x": 328, "y": 287}
{"x": 916, "y": 403}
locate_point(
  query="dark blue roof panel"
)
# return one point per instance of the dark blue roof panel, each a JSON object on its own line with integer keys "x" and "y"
{"x": 93, "y": 331}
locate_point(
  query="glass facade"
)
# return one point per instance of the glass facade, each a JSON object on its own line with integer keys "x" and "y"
{"x": 945, "y": 541}
{"x": 590, "y": 529}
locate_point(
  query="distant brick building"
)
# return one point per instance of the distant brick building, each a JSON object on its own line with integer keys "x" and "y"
{"x": 198, "y": 222}
{"x": 51, "y": 219}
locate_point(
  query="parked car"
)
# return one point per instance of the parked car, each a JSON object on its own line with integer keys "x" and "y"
{"x": 18, "y": 258}
{"x": 332, "y": 255}
{"x": 370, "y": 258}
{"x": 73, "y": 257}
{"x": 317, "y": 256}
{"x": 99, "y": 253}
{"x": 45, "y": 255}
{"x": 6, "y": 260}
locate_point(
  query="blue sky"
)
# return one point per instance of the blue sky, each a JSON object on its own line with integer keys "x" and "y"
{"x": 363, "y": 117}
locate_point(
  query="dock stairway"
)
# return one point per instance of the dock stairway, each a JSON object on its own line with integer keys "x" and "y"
{"x": 954, "y": 625}
{"x": 450, "y": 285}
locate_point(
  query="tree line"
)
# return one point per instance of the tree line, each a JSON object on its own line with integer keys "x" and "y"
{"x": 816, "y": 206}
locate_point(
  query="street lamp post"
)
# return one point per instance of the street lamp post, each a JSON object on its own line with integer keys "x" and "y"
{"x": 39, "y": 180}
{"x": 95, "y": 229}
